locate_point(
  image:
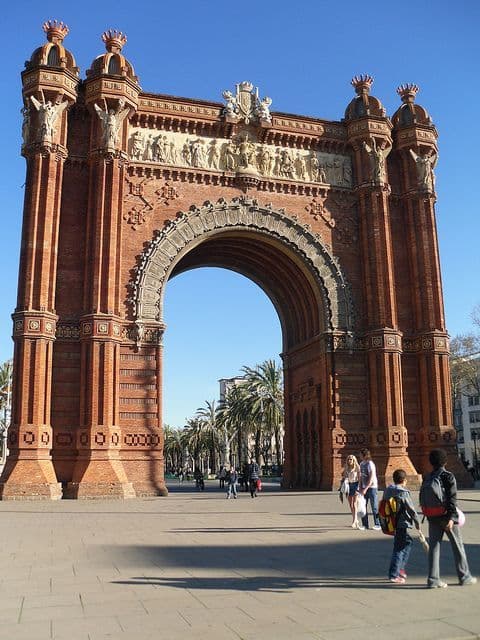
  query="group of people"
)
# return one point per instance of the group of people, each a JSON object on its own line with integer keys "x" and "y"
{"x": 231, "y": 478}
{"x": 444, "y": 519}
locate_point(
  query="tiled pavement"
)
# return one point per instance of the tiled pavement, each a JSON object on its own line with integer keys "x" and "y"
{"x": 195, "y": 566}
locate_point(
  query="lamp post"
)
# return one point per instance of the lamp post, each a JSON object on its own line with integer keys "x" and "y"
{"x": 474, "y": 436}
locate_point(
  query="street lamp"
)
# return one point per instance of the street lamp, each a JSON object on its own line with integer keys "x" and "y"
{"x": 474, "y": 435}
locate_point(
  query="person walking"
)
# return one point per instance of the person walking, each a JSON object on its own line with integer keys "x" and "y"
{"x": 443, "y": 523}
{"x": 368, "y": 487}
{"x": 351, "y": 472}
{"x": 232, "y": 479}
{"x": 405, "y": 519}
{"x": 253, "y": 476}
{"x": 222, "y": 476}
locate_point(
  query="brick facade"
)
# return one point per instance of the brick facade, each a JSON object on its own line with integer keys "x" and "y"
{"x": 334, "y": 220}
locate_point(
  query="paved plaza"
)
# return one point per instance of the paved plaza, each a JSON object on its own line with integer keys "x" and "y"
{"x": 196, "y": 566}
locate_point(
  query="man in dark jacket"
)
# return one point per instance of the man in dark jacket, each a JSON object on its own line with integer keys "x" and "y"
{"x": 406, "y": 518}
{"x": 253, "y": 476}
{"x": 448, "y": 524}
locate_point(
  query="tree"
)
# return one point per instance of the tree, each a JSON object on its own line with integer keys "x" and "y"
{"x": 172, "y": 448}
{"x": 6, "y": 370}
{"x": 463, "y": 368}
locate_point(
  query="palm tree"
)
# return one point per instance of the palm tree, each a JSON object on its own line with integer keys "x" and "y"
{"x": 264, "y": 385}
{"x": 211, "y": 431}
{"x": 231, "y": 424}
{"x": 172, "y": 448}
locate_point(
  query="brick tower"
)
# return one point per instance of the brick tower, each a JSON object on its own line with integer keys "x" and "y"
{"x": 334, "y": 220}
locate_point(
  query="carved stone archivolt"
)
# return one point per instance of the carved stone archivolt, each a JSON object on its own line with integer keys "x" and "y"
{"x": 238, "y": 154}
{"x": 242, "y": 214}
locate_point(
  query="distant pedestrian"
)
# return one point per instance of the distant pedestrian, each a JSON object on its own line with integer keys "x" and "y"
{"x": 222, "y": 474}
{"x": 253, "y": 477}
{"x": 245, "y": 480}
{"x": 441, "y": 487}
{"x": 406, "y": 517}
{"x": 351, "y": 473}
{"x": 368, "y": 487}
{"x": 232, "y": 479}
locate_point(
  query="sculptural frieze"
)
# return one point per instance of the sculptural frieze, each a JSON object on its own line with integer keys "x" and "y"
{"x": 239, "y": 154}
{"x": 246, "y": 104}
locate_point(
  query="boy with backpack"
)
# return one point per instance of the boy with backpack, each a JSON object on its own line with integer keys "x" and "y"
{"x": 438, "y": 500}
{"x": 401, "y": 517}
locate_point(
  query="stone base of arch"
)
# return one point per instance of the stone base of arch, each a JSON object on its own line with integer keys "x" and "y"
{"x": 29, "y": 479}
{"x": 99, "y": 474}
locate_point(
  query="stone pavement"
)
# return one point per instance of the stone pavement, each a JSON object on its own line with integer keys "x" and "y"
{"x": 194, "y": 566}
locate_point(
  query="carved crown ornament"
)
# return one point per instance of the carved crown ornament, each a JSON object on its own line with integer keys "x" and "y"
{"x": 246, "y": 104}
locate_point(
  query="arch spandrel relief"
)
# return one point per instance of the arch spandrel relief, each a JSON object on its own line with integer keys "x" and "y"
{"x": 242, "y": 214}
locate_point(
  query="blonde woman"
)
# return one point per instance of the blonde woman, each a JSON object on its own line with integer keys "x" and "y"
{"x": 351, "y": 473}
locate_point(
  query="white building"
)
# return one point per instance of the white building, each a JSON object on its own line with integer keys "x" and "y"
{"x": 467, "y": 415}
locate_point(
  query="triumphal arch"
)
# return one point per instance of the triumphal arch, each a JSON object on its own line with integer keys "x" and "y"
{"x": 334, "y": 220}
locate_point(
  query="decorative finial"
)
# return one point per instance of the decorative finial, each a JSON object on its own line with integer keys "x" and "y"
{"x": 114, "y": 40}
{"x": 362, "y": 84}
{"x": 56, "y": 31}
{"x": 407, "y": 92}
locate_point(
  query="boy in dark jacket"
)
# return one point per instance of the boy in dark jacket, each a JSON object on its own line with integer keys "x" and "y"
{"x": 406, "y": 518}
{"x": 448, "y": 524}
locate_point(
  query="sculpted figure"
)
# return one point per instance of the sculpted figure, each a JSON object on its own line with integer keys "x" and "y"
{"x": 186, "y": 153}
{"x": 165, "y": 150}
{"x": 47, "y": 115}
{"x": 300, "y": 166}
{"x": 425, "y": 166}
{"x": 213, "y": 155}
{"x": 347, "y": 173}
{"x": 246, "y": 153}
{"x": 377, "y": 161}
{"x": 111, "y": 120}
{"x": 149, "y": 148}
{"x": 314, "y": 166}
{"x": 197, "y": 154}
{"x": 322, "y": 175}
{"x": 231, "y": 104}
{"x": 173, "y": 153}
{"x": 263, "y": 110}
{"x": 287, "y": 168}
{"x": 229, "y": 157}
{"x": 138, "y": 145}
{"x": 277, "y": 166}
{"x": 25, "y": 124}
{"x": 337, "y": 171}
{"x": 264, "y": 161}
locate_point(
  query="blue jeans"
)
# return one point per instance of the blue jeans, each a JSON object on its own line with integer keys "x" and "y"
{"x": 371, "y": 496}
{"x": 232, "y": 489}
{"x": 402, "y": 545}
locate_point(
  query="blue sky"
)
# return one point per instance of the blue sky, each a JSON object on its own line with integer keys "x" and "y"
{"x": 303, "y": 56}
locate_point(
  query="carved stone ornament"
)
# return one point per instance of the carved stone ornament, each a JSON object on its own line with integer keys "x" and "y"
{"x": 242, "y": 214}
{"x": 143, "y": 196}
{"x": 177, "y": 149}
{"x": 246, "y": 104}
{"x": 318, "y": 211}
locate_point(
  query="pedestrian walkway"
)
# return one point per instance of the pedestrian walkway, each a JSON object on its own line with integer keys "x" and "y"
{"x": 195, "y": 566}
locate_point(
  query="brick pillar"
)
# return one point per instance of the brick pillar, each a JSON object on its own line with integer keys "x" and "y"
{"x": 429, "y": 342}
{"x": 99, "y": 471}
{"x": 383, "y": 340}
{"x": 29, "y": 471}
